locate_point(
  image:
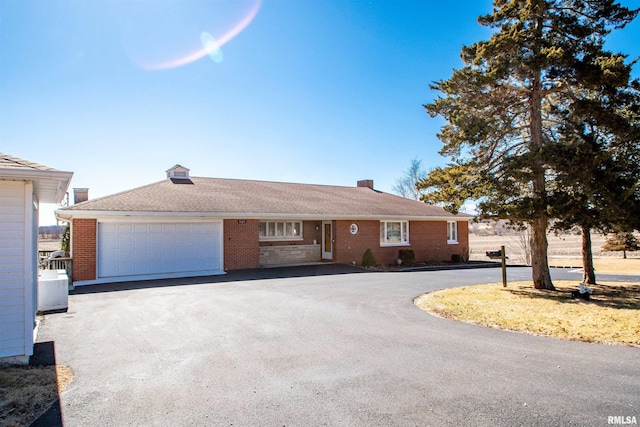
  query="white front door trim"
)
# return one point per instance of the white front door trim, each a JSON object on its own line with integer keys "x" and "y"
{"x": 327, "y": 240}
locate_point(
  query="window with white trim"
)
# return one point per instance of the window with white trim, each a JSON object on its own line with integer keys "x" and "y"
{"x": 280, "y": 230}
{"x": 452, "y": 232}
{"x": 394, "y": 233}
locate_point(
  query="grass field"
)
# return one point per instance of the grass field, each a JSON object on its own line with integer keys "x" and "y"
{"x": 629, "y": 266}
{"x": 563, "y": 251}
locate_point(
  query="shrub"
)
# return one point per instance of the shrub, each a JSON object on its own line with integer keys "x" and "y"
{"x": 456, "y": 258}
{"x": 407, "y": 256}
{"x": 66, "y": 239}
{"x": 368, "y": 260}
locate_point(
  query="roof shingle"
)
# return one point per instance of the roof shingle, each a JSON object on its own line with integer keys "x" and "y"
{"x": 260, "y": 198}
{"x": 11, "y": 162}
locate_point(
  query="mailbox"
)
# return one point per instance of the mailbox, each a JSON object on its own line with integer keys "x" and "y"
{"x": 494, "y": 254}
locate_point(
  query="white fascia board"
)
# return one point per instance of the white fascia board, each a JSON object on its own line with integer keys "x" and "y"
{"x": 65, "y": 214}
{"x": 34, "y": 174}
{"x": 108, "y": 216}
{"x": 63, "y": 178}
{"x": 343, "y": 217}
{"x": 159, "y": 219}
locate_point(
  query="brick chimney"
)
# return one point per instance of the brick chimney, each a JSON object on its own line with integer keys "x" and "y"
{"x": 366, "y": 183}
{"x": 80, "y": 195}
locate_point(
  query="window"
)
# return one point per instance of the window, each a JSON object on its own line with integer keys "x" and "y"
{"x": 452, "y": 232}
{"x": 394, "y": 233}
{"x": 280, "y": 230}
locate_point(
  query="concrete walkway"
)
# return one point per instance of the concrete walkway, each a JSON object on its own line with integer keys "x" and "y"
{"x": 325, "y": 345}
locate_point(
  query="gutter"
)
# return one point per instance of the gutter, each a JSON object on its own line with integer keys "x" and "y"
{"x": 135, "y": 216}
{"x": 39, "y": 177}
{"x": 19, "y": 173}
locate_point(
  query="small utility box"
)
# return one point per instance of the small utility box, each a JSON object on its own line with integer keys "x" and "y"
{"x": 53, "y": 290}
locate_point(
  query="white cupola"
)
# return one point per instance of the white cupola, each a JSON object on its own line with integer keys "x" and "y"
{"x": 178, "y": 172}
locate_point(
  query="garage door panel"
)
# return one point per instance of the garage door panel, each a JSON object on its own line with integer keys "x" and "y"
{"x": 156, "y": 253}
{"x": 169, "y": 252}
{"x": 183, "y": 228}
{"x": 201, "y": 229}
{"x": 140, "y": 228}
{"x": 156, "y": 240}
{"x": 123, "y": 241}
{"x": 156, "y": 228}
{"x": 140, "y": 242}
{"x": 158, "y": 248}
{"x": 124, "y": 228}
{"x": 170, "y": 241}
{"x": 126, "y": 268}
{"x": 169, "y": 228}
{"x": 108, "y": 227}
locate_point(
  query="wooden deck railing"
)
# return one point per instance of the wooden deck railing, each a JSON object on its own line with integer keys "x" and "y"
{"x": 47, "y": 263}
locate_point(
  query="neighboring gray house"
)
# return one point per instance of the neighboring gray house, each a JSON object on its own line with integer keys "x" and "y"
{"x": 23, "y": 186}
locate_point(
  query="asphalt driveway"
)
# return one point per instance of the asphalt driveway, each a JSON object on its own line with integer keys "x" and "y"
{"x": 325, "y": 345}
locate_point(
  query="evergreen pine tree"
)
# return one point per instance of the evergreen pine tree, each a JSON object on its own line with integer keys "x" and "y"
{"x": 621, "y": 241}
{"x": 500, "y": 111}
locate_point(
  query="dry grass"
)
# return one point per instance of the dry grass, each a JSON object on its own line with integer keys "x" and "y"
{"x": 564, "y": 250}
{"x": 26, "y": 392}
{"x": 611, "y": 317}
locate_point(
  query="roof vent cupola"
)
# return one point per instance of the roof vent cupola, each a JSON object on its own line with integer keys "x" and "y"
{"x": 179, "y": 175}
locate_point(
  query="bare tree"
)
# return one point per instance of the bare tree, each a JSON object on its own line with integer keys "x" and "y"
{"x": 406, "y": 185}
{"x": 521, "y": 243}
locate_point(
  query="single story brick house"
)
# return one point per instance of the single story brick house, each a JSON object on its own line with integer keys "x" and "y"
{"x": 23, "y": 186}
{"x": 187, "y": 226}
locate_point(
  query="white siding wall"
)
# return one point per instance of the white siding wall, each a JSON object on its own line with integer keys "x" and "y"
{"x": 17, "y": 269}
{"x": 31, "y": 259}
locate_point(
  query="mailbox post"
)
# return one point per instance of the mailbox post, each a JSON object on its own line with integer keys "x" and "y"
{"x": 504, "y": 267}
{"x": 503, "y": 257}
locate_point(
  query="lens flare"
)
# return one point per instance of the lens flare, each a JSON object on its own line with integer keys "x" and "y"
{"x": 210, "y": 46}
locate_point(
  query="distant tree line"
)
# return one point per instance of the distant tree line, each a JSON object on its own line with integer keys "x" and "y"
{"x": 53, "y": 232}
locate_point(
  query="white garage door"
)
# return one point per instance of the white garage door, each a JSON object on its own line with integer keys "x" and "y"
{"x": 132, "y": 249}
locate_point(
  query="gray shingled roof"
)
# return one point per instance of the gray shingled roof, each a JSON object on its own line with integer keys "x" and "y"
{"x": 11, "y": 162}
{"x": 49, "y": 185}
{"x": 245, "y": 198}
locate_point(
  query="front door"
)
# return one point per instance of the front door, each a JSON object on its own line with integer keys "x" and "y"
{"x": 327, "y": 240}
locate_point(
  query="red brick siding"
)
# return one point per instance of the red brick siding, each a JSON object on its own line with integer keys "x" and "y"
{"x": 312, "y": 231}
{"x": 463, "y": 239}
{"x": 83, "y": 245}
{"x": 428, "y": 239}
{"x": 349, "y": 248}
{"x": 241, "y": 249}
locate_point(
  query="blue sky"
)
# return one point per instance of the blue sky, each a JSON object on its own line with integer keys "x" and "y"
{"x": 312, "y": 91}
